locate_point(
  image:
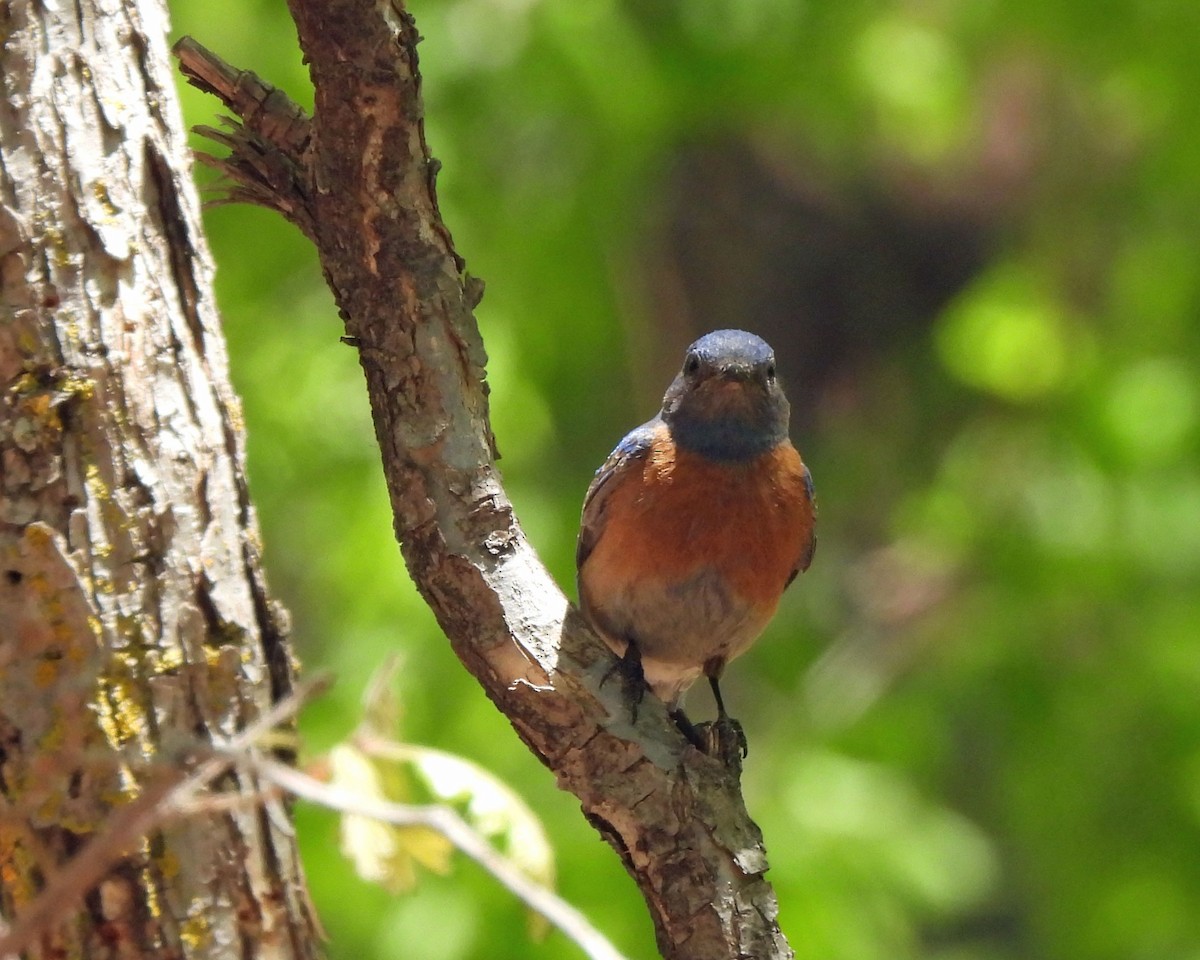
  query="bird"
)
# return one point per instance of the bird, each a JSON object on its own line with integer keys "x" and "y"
{"x": 695, "y": 525}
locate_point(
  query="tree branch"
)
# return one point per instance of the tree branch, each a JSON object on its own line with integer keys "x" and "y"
{"x": 365, "y": 182}
{"x": 266, "y": 158}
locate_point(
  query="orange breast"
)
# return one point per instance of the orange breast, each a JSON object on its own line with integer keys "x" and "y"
{"x": 751, "y": 522}
{"x": 688, "y": 558}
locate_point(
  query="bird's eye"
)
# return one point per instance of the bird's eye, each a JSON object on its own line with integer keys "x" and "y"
{"x": 691, "y": 365}
{"x": 770, "y": 372}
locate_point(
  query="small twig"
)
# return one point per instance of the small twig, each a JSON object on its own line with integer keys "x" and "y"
{"x": 449, "y": 824}
{"x": 161, "y": 799}
{"x": 267, "y": 144}
{"x": 266, "y": 110}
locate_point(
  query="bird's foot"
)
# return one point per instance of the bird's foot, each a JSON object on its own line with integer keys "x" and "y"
{"x": 633, "y": 680}
{"x": 722, "y": 738}
{"x": 725, "y": 739}
{"x": 692, "y": 732}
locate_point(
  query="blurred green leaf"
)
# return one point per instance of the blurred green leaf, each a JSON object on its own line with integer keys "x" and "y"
{"x": 383, "y": 853}
{"x": 970, "y": 231}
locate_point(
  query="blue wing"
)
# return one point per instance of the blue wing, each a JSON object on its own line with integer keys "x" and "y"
{"x": 811, "y": 547}
{"x": 630, "y": 453}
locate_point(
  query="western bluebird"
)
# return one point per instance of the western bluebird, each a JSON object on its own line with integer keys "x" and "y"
{"x": 696, "y": 523}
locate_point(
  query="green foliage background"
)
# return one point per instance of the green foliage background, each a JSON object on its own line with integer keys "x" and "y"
{"x": 975, "y": 724}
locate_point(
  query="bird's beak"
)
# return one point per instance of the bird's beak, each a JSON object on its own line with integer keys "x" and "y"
{"x": 736, "y": 374}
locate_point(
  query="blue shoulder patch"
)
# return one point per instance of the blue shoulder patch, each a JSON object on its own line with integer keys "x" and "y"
{"x": 637, "y": 441}
{"x": 632, "y": 448}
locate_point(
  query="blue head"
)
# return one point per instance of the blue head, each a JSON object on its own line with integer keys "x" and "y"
{"x": 727, "y": 403}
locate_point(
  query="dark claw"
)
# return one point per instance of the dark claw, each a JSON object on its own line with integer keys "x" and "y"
{"x": 629, "y": 668}
{"x": 722, "y": 738}
{"x": 693, "y": 733}
{"x": 726, "y": 740}
{"x": 725, "y": 735}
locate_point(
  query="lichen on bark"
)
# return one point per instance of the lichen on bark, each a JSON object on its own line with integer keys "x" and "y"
{"x": 136, "y": 631}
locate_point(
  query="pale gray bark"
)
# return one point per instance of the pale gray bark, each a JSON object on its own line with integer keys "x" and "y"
{"x": 135, "y": 627}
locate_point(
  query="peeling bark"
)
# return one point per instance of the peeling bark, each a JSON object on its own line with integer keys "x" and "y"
{"x": 361, "y": 186}
{"x": 136, "y": 630}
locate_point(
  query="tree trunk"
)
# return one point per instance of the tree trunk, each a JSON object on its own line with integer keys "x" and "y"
{"x": 136, "y": 632}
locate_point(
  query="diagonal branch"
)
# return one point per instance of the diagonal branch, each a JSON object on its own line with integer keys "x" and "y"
{"x": 675, "y": 816}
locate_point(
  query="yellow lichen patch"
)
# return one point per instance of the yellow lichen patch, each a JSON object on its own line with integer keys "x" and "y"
{"x": 96, "y": 486}
{"x": 168, "y": 864}
{"x": 75, "y": 653}
{"x": 27, "y": 343}
{"x": 39, "y": 537}
{"x": 70, "y": 327}
{"x": 57, "y": 246}
{"x": 64, "y": 631}
{"x": 130, "y": 660}
{"x": 16, "y": 864}
{"x": 50, "y": 742}
{"x": 81, "y": 388}
{"x": 237, "y": 418}
{"x": 171, "y": 659}
{"x": 100, "y": 192}
{"x": 41, "y": 415}
{"x": 55, "y": 613}
{"x": 122, "y": 718}
{"x": 127, "y": 788}
{"x": 194, "y": 931}
{"x": 45, "y": 674}
{"x": 129, "y": 629}
{"x": 76, "y": 821}
{"x": 50, "y": 810}
{"x": 25, "y": 383}
{"x": 153, "y": 904}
